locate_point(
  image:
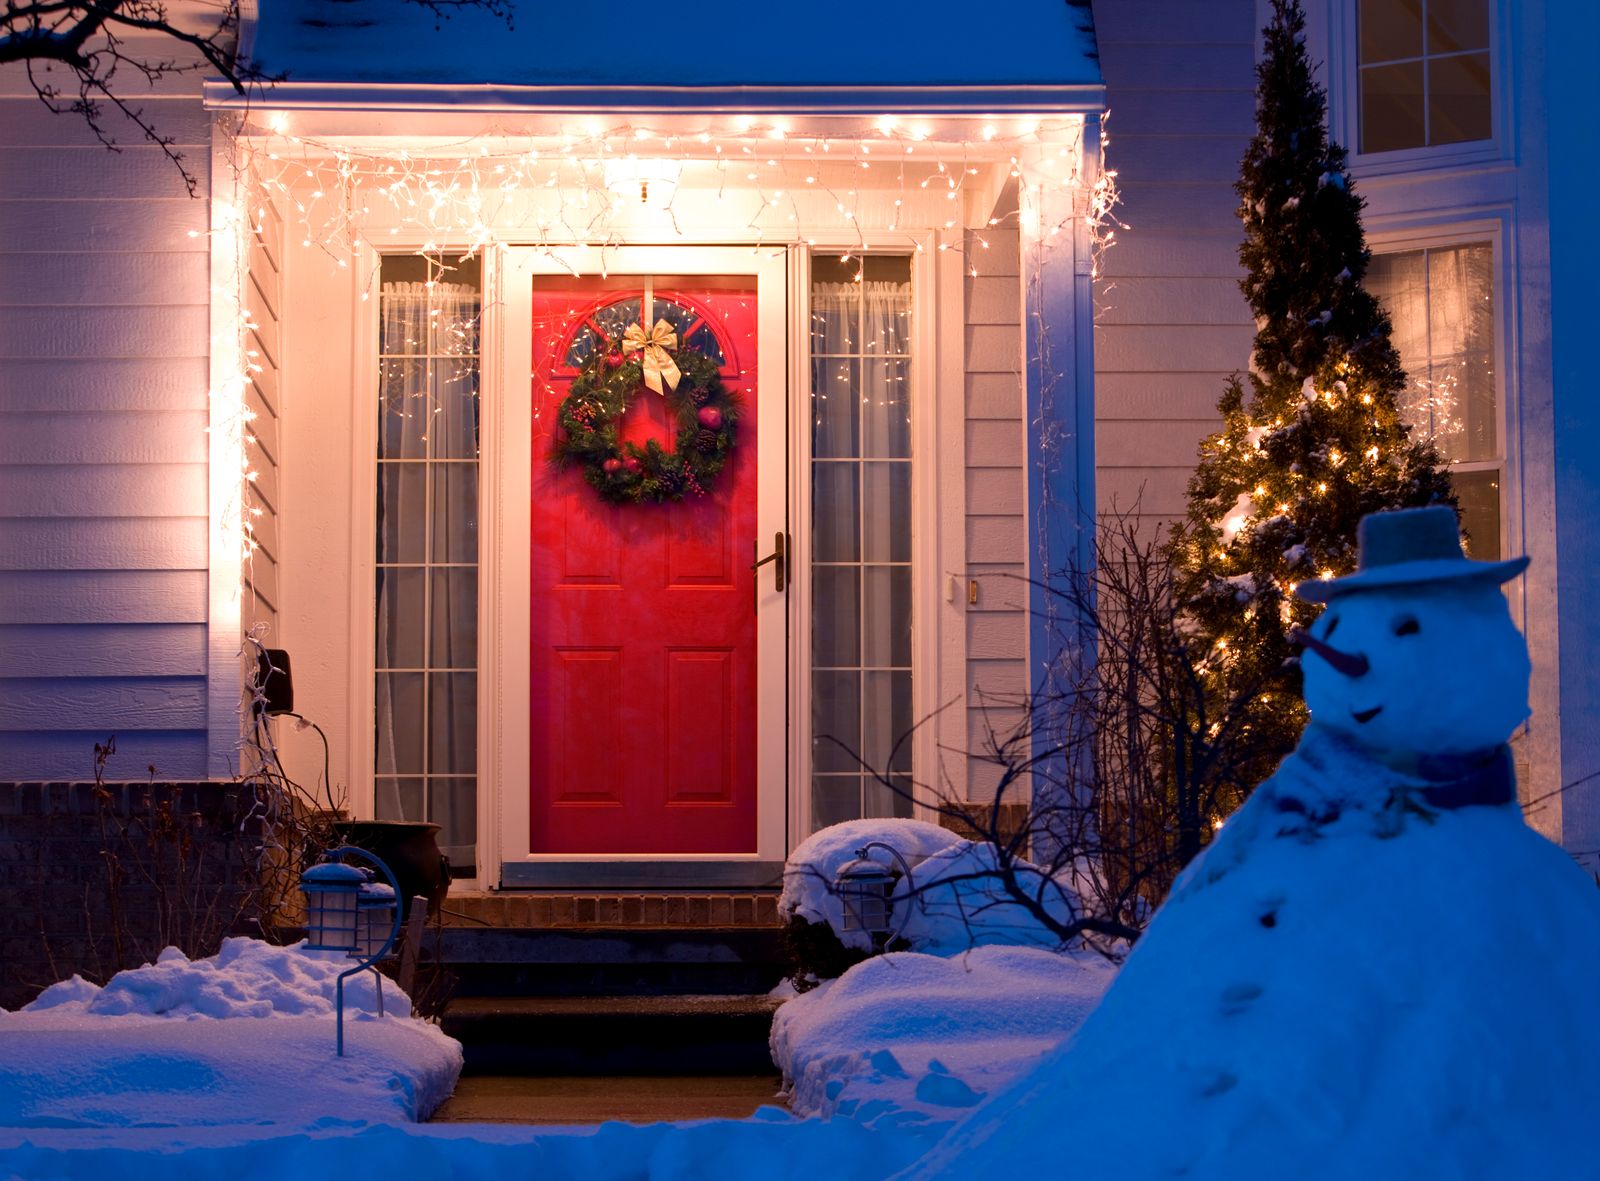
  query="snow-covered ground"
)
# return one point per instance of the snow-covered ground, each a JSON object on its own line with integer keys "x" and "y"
{"x": 908, "y": 1037}
{"x": 243, "y": 1037}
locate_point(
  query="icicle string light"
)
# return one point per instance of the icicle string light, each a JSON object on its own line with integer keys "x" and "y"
{"x": 554, "y": 190}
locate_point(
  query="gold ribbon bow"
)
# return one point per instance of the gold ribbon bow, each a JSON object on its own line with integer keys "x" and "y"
{"x": 658, "y": 364}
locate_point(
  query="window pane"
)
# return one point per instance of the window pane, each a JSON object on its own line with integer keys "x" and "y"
{"x": 1390, "y": 29}
{"x": 1479, "y": 496}
{"x": 834, "y": 413}
{"x": 1391, "y": 107}
{"x": 835, "y": 616}
{"x": 400, "y": 607}
{"x": 887, "y": 720}
{"x": 1461, "y": 340}
{"x": 613, "y": 319}
{"x": 452, "y": 722}
{"x": 455, "y": 512}
{"x": 886, "y": 617}
{"x": 886, "y": 408}
{"x": 453, "y": 805}
{"x": 399, "y": 723}
{"x": 1456, "y": 24}
{"x": 835, "y": 721}
{"x": 887, "y": 491}
{"x": 891, "y": 799}
{"x": 1400, "y": 283}
{"x": 402, "y": 512}
{"x": 1458, "y": 99}
{"x": 835, "y": 798}
{"x": 453, "y": 636}
{"x": 404, "y": 414}
{"x": 835, "y": 512}
{"x": 455, "y": 410}
{"x": 835, "y": 319}
{"x": 399, "y": 799}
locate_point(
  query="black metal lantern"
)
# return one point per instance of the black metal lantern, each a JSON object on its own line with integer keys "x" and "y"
{"x": 866, "y": 893}
{"x": 864, "y": 888}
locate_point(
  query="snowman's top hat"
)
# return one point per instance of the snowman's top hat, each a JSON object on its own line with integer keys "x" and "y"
{"x": 1409, "y": 546}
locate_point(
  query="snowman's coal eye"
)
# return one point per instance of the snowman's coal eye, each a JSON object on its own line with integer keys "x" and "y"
{"x": 1406, "y": 626}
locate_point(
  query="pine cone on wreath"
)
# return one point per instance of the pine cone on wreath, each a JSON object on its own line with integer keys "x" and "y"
{"x": 699, "y": 394}
{"x": 706, "y": 440}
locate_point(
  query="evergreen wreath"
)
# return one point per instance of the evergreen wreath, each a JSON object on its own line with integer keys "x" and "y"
{"x": 704, "y": 409}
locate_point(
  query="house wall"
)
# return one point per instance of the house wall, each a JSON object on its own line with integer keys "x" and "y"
{"x": 1501, "y": 191}
{"x": 996, "y": 496}
{"x": 104, "y": 541}
{"x": 1170, "y": 321}
{"x": 263, "y": 303}
{"x": 1569, "y": 33}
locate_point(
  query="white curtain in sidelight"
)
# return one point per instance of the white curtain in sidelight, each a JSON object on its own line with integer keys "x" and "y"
{"x": 860, "y": 543}
{"x": 426, "y": 635}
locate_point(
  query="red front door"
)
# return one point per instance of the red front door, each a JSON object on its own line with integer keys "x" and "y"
{"x": 643, "y": 726}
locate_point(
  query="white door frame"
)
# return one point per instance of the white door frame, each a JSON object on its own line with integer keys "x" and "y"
{"x": 505, "y": 507}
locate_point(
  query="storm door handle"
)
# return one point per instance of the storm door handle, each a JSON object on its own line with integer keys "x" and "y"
{"x": 778, "y": 556}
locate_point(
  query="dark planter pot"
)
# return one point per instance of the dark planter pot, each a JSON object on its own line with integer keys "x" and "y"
{"x": 408, "y": 848}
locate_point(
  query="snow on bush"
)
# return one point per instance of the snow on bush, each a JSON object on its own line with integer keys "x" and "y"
{"x": 954, "y": 900}
{"x": 808, "y": 877}
{"x": 247, "y": 978}
{"x": 908, "y": 1036}
{"x": 243, "y": 1037}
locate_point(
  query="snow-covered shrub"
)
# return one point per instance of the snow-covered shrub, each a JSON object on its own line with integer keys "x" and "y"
{"x": 956, "y": 898}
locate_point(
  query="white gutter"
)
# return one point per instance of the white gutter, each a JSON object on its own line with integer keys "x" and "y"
{"x": 497, "y": 98}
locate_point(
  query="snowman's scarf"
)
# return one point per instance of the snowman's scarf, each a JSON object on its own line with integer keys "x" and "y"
{"x": 1328, "y": 778}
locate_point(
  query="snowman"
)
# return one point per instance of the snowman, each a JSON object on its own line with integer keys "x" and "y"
{"x": 1376, "y": 969}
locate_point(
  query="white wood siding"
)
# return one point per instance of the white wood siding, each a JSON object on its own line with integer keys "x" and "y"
{"x": 1170, "y": 322}
{"x": 263, "y": 303}
{"x": 997, "y": 500}
{"x": 104, "y": 337}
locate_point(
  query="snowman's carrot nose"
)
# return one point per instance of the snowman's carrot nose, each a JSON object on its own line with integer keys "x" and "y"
{"x": 1350, "y": 664}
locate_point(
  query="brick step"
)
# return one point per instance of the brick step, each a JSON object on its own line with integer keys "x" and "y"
{"x": 563, "y": 909}
{"x": 613, "y": 1035}
{"x": 610, "y": 962}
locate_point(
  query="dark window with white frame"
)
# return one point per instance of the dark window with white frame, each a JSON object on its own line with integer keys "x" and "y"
{"x": 1441, "y": 301}
{"x": 426, "y": 635}
{"x": 1425, "y": 73}
{"x": 860, "y": 536}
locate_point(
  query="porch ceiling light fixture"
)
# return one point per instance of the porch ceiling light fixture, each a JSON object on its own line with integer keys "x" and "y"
{"x": 654, "y": 180}
{"x": 349, "y": 911}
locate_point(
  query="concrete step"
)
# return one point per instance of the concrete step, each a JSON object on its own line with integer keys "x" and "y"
{"x": 613, "y": 1035}
{"x": 600, "y": 962}
{"x": 593, "y": 1099}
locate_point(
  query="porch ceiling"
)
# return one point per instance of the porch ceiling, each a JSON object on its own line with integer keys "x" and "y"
{"x": 714, "y": 54}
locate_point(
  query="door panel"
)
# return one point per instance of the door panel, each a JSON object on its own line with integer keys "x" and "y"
{"x": 643, "y": 670}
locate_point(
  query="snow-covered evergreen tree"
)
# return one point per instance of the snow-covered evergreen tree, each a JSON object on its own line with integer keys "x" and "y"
{"x": 1316, "y": 440}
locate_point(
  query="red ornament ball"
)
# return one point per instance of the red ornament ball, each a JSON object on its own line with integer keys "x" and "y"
{"x": 614, "y": 360}
{"x": 710, "y": 418}
{"x": 631, "y": 464}
{"x": 611, "y": 466}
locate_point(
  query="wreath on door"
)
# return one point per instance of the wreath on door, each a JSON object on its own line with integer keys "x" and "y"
{"x": 704, "y": 410}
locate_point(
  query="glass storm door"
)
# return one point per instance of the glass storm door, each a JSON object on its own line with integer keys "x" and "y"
{"x": 643, "y": 672}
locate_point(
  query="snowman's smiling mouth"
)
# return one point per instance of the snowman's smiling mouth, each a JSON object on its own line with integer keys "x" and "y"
{"x": 1366, "y": 715}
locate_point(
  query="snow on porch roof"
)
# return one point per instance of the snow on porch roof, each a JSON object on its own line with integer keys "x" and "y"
{"x": 935, "y": 53}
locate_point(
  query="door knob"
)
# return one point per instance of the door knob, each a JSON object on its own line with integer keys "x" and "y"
{"x": 778, "y": 557}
